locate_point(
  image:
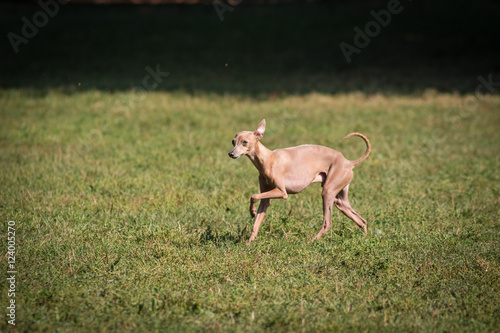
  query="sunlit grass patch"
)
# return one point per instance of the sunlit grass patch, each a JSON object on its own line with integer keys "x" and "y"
{"x": 132, "y": 216}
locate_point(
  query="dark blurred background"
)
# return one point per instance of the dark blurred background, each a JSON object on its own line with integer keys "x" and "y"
{"x": 258, "y": 48}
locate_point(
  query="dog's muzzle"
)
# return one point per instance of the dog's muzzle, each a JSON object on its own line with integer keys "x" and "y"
{"x": 231, "y": 154}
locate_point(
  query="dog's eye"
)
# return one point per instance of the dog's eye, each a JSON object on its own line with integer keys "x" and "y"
{"x": 245, "y": 143}
{"x": 233, "y": 142}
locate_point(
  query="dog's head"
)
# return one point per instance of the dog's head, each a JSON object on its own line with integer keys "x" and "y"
{"x": 244, "y": 142}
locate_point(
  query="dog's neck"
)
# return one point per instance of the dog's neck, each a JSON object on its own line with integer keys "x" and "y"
{"x": 259, "y": 156}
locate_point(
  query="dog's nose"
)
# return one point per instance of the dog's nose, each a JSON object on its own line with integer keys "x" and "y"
{"x": 231, "y": 154}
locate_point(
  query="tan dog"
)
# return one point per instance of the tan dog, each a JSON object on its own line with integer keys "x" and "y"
{"x": 290, "y": 170}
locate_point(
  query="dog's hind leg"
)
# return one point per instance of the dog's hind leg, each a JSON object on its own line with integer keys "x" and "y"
{"x": 333, "y": 184}
{"x": 342, "y": 203}
{"x": 328, "y": 198}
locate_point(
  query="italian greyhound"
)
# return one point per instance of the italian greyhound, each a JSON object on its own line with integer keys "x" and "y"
{"x": 290, "y": 170}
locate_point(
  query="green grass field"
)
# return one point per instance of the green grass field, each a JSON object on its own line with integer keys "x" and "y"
{"x": 129, "y": 214}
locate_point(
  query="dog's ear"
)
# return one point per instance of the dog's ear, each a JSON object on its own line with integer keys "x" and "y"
{"x": 259, "y": 132}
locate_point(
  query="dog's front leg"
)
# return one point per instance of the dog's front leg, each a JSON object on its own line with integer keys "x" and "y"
{"x": 273, "y": 194}
{"x": 265, "y": 198}
{"x": 264, "y": 204}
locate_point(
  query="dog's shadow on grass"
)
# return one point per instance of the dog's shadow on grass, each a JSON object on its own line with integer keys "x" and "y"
{"x": 211, "y": 236}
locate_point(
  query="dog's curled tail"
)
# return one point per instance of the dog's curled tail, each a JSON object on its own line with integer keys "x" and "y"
{"x": 368, "y": 147}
